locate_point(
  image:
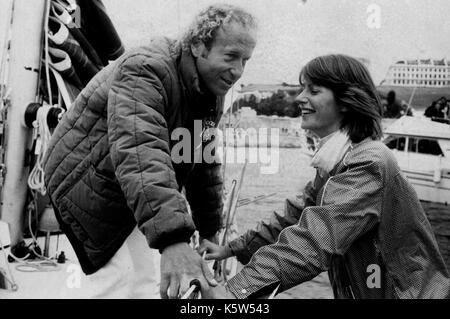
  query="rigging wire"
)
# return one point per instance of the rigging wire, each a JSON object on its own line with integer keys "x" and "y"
{"x": 224, "y": 134}
{"x": 231, "y": 220}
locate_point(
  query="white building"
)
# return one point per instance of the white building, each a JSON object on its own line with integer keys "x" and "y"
{"x": 247, "y": 113}
{"x": 419, "y": 73}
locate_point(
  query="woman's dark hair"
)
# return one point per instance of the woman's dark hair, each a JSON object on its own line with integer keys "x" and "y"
{"x": 354, "y": 91}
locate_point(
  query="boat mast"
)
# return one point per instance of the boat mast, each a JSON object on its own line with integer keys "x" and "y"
{"x": 25, "y": 53}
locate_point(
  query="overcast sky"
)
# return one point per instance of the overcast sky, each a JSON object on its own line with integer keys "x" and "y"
{"x": 292, "y": 32}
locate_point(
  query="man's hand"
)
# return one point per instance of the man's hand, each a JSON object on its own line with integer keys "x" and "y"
{"x": 180, "y": 264}
{"x": 218, "y": 292}
{"x": 214, "y": 251}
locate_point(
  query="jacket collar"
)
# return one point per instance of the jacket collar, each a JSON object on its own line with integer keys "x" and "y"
{"x": 189, "y": 74}
{"x": 331, "y": 150}
{"x": 192, "y": 85}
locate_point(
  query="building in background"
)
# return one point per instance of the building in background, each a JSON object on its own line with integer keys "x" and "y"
{"x": 263, "y": 91}
{"x": 419, "y": 73}
{"x": 418, "y": 82}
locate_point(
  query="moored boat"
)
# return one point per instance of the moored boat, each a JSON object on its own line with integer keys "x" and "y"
{"x": 422, "y": 149}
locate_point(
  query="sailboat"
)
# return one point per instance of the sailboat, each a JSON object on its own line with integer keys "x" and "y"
{"x": 36, "y": 89}
{"x": 422, "y": 149}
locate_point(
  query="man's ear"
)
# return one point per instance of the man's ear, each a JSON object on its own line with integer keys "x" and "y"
{"x": 198, "y": 49}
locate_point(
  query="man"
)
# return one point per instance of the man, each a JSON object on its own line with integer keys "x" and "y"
{"x": 109, "y": 167}
{"x": 393, "y": 108}
{"x": 435, "y": 110}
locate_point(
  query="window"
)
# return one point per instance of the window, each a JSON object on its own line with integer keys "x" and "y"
{"x": 397, "y": 143}
{"x": 431, "y": 147}
{"x": 412, "y": 145}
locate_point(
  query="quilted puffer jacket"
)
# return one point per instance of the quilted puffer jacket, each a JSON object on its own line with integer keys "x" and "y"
{"x": 108, "y": 165}
{"x": 363, "y": 223}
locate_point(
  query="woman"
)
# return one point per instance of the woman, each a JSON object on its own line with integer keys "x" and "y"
{"x": 359, "y": 219}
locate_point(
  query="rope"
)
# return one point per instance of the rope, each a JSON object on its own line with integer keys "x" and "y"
{"x": 36, "y": 178}
{"x": 10, "y": 279}
{"x": 45, "y": 264}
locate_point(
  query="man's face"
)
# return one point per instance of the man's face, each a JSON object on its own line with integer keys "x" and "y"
{"x": 223, "y": 64}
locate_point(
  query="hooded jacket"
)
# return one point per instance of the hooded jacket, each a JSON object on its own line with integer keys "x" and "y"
{"x": 108, "y": 166}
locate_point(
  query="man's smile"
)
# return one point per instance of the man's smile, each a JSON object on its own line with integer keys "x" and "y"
{"x": 227, "y": 82}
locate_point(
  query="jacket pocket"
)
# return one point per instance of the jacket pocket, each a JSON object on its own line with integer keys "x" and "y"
{"x": 100, "y": 197}
{"x": 105, "y": 184}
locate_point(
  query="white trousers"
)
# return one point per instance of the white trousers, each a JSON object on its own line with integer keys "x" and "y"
{"x": 133, "y": 272}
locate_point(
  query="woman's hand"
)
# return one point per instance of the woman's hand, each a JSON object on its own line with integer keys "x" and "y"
{"x": 218, "y": 292}
{"x": 214, "y": 251}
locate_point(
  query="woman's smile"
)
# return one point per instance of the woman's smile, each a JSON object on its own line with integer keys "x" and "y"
{"x": 307, "y": 111}
{"x": 320, "y": 112}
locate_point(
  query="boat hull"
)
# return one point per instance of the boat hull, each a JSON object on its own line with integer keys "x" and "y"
{"x": 429, "y": 186}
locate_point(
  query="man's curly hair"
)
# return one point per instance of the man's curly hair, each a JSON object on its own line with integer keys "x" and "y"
{"x": 208, "y": 21}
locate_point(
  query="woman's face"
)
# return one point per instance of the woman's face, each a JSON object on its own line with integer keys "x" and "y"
{"x": 320, "y": 113}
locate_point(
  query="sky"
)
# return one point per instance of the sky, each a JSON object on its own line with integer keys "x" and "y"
{"x": 292, "y": 32}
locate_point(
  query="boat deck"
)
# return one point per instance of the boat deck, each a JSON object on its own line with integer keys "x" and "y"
{"x": 66, "y": 282}
{"x": 61, "y": 282}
